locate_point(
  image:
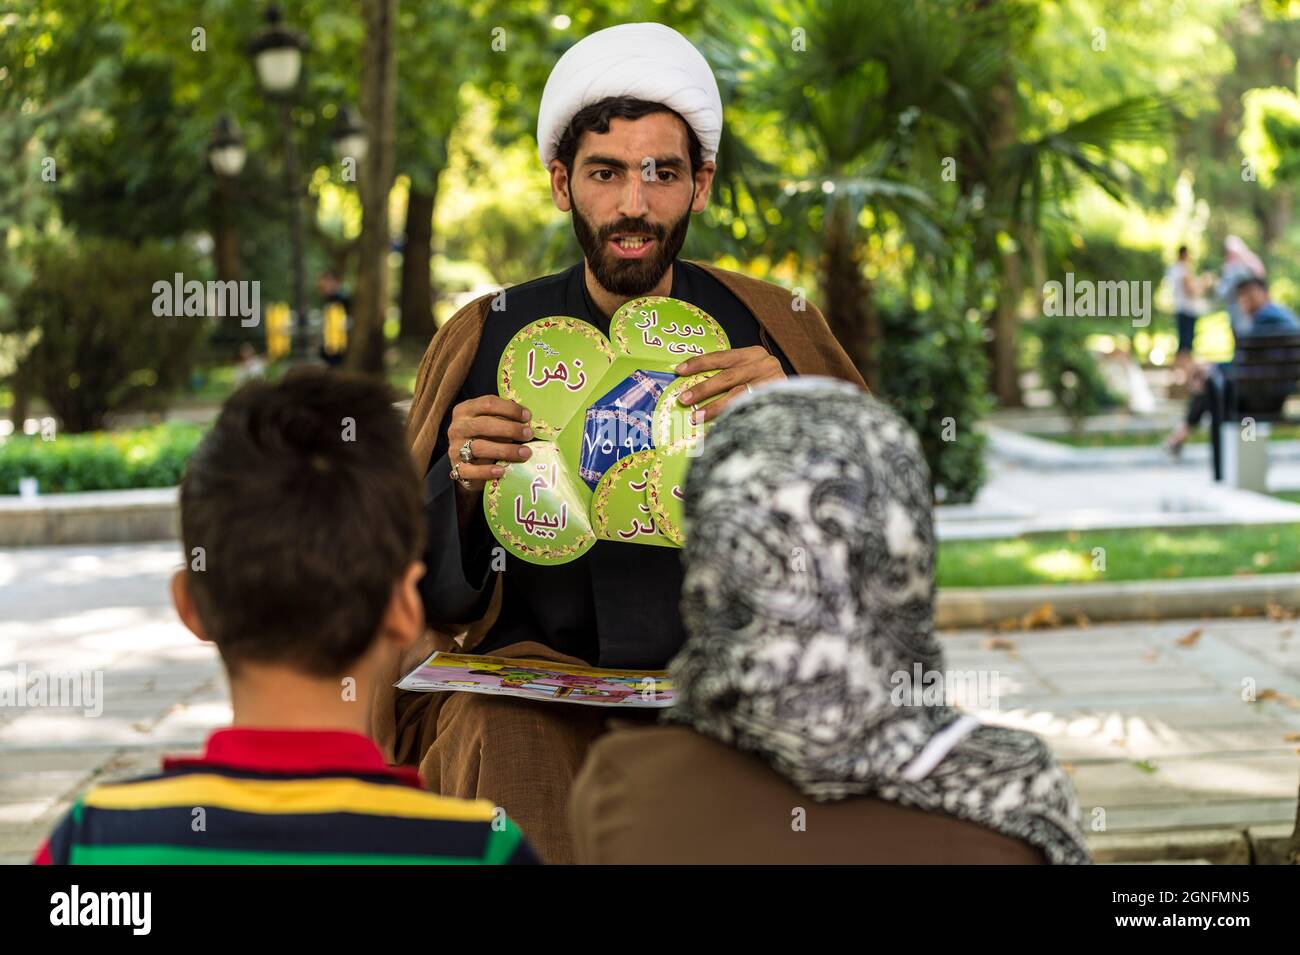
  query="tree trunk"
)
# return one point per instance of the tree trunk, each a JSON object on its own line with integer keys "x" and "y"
{"x": 1273, "y": 214}
{"x": 378, "y": 103}
{"x": 850, "y": 302}
{"x": 1006, "y": 374}
{"x": 22, "y": 398}
{"x": 417, "y": 286}
{"x": 1005, "y": 371}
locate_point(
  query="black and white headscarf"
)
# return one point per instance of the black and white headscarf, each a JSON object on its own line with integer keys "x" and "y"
{"x": 809, "y": 584}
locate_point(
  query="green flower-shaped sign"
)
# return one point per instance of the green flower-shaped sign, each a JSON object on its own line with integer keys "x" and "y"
{"x": 612, "y": 441}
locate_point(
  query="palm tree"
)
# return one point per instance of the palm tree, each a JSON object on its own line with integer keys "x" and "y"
{"x": 855, "y": 90}
{"x": 873, "y": 103}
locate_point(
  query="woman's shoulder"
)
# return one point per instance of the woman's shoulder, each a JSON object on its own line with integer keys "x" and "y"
{"x": 657, "y": 742}
{"x": 658, "y": 758}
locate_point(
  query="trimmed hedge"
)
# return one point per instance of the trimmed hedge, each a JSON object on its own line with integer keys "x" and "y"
{"x": 934, "y": 373}
{"x": 101, "y": 461}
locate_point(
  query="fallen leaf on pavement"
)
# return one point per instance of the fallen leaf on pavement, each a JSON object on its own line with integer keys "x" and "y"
{"x": 1041, "y": 616}
{"x": 1278, "y": 612}
{"x": 1281, "y": 697}
{"x": 1189, "y": 638}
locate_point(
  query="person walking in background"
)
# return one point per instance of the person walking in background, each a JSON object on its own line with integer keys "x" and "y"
{"x": 251, "y": 365}
{"x": 1239, "y": 264}
{"x": 336, "y": 306}
{"x": 1188, "y": 307}
{"x": 800, "y": 732}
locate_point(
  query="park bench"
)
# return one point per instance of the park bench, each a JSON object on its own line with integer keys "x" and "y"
{"x": 1264, "y": 373}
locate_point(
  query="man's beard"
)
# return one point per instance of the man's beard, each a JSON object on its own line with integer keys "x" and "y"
{"x": 631, "y": 277}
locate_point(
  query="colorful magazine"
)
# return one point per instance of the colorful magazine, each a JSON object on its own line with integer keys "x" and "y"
{"x": 540, "y": 680}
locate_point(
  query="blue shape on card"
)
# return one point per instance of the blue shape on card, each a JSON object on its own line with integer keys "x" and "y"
{"x": 618, "y": 422}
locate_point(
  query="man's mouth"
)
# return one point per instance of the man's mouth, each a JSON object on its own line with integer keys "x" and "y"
{"x": 631, "y": 245}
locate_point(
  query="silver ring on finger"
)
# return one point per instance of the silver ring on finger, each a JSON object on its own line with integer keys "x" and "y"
{"x": 466, "y": 454}
{"x": 749, "y": 389}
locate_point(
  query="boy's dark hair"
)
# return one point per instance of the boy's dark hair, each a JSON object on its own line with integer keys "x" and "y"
{"x": 1182, "y": 251}
{"x": 1250, "y": 281}
{"x": 307, "y": 507}
{"x": 595, "y": 118}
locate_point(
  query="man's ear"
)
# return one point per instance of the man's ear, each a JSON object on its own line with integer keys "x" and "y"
{"x": 183, "y": 601}
{"x": 404, "y": 618}
{"x": 560, "y": 186}
{"x": 703, "y": 183}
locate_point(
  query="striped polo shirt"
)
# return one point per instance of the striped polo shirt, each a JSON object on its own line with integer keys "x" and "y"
{"x": 261, "y": 796}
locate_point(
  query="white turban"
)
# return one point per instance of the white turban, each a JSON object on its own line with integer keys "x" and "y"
{"x": 648, "y": 61}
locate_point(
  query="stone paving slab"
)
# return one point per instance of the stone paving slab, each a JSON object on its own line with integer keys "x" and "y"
{"x": 1154, "y": 733}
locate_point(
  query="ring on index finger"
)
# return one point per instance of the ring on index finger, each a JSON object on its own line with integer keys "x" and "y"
{"x": 466, "y": 455}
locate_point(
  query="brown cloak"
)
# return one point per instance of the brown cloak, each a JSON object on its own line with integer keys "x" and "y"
{"x": 802, "y": 334}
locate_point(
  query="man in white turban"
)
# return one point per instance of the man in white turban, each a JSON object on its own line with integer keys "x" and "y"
{"x": 628, "y": 131}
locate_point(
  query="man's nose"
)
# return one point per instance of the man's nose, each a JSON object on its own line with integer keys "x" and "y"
{"x": 633, "y": 202}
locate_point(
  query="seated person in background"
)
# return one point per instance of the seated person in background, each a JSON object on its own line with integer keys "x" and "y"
{"x": 302, "y": 529}
{"x": 808, "y": 590}
{"x": 1261, "y": 317}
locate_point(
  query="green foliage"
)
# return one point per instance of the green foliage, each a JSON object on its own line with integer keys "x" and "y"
{"x": 145, "y": 457}
{"x": 1270, "y": 135}
{"x": 101, "y": 347}
{"x": 1068, "y": 369}
{"x": 933, "y": 372}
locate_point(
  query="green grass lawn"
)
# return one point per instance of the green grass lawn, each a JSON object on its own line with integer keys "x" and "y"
{"x": 1138, "y": 439}
{"x": 1139, "y": 554}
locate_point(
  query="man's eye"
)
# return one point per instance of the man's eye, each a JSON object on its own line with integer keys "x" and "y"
{"x": 664, "y": 172}
{"x": 602, "y": 172}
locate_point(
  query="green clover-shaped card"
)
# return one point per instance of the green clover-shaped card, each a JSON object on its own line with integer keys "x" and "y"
{"x": 603, "y": 415}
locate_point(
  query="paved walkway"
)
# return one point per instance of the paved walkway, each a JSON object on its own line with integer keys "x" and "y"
{"x": 1150, "y": 718}
{"x": 1039, "y": 485}
{"x": 1155, "y": 733}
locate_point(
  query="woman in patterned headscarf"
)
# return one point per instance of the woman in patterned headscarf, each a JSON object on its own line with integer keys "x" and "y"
{"x": 808, "y": 589}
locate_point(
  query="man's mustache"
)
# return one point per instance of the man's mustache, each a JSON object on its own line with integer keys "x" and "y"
{"x": 636, "y": 229}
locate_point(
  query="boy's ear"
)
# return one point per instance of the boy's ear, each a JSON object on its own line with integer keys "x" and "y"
{"x": 404, "y": 619}
{"x": 183, "y": 601}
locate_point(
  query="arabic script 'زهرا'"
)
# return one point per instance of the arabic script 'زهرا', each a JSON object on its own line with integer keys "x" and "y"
{"x": 559, "y": 373}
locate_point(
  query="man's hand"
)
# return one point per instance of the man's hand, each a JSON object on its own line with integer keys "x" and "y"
{"x": 740, "y": 367}
{"x": 495, "y": 427}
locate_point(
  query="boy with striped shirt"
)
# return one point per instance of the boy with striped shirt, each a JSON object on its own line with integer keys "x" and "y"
{"x": 302, "y": 527}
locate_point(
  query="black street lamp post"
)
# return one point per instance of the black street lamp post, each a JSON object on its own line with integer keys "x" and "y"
{"x": 277, "y": 55}
{"x": 226, "y": 155}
